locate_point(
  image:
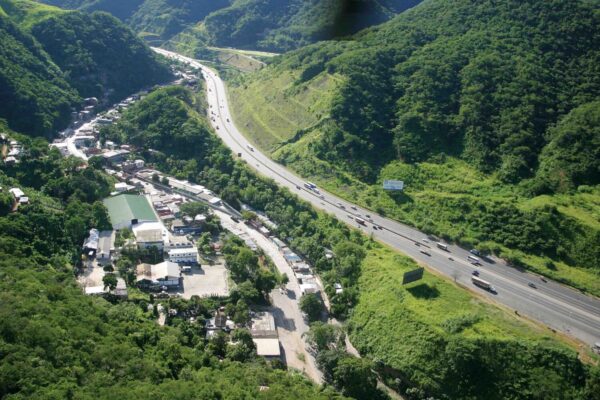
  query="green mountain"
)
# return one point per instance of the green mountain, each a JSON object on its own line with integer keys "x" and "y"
{"x": 51, "y": 58}
{"x": 274, "y": 25}
{"x": 34, "y": 93}
{"x": 486, "y": 110}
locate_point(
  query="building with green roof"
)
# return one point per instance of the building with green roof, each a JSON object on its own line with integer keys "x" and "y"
{"x": 126, "y": 210}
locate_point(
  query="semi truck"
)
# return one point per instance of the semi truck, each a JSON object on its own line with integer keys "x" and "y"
{"x": 477, "y": 281}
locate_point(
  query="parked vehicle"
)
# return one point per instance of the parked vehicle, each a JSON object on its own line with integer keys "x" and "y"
{"x": 186, "y": 269}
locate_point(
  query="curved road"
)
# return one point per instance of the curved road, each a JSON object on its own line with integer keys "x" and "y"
{"x": 555, "y": 305}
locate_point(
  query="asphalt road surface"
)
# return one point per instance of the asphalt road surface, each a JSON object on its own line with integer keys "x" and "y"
{"x": 555, "y": 305}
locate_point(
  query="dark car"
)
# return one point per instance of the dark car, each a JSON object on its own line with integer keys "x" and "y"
{"x": 475, "y": 251}
{"x": 475, "y": 272}
{"x": 532, "y": 285}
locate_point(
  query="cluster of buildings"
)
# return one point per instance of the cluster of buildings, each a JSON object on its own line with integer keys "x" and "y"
{"x": 10, "y": 150}
{"x": 302, "y": 271}
{"x": 19, "y": 197}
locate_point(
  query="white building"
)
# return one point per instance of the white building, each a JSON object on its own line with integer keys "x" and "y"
{"x": 185, "y": 255}
{"x": 164, "y": 274}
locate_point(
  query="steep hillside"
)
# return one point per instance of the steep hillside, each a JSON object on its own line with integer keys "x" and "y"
{"x": 479, "y": 108}
{"x": 50, "y": 58}
{"x": 99, "y": 54}
{"x": 274, "y": 25}
{"x": 34, "y": 94}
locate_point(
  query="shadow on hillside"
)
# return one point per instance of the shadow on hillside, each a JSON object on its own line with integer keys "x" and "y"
{"x": 424, "y": 291}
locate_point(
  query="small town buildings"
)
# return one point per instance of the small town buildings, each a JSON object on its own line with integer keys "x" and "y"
{"x": 264, "y": 335}
{"x": 184, "y": 256}
{"x": 90, "y": 245}
{"x": 149, "y": 236}
{"x": 154, "y": 276}
{"x": 115, "y": 156}
{"x": 123, "y": 187}
{"x": 17, "y": 193}
{"x": 310, "y": 287}
{"x": 126, "y": 210}
{"x": 106, "y": 247}
{"x": 178, "y": 242}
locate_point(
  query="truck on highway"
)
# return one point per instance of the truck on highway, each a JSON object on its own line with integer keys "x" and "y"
{"x": 442, "y": 246}
{"x": 360, "y": 221}
{"x": 310, "y": 185}
{"x": 477, "y": 281}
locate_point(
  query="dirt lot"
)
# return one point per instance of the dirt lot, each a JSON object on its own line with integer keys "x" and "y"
{"x": 210, "y": 280}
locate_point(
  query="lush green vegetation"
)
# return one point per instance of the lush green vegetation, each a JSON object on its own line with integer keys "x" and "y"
{"x": 405, "y": 329}
{"x": 497, "y": 146}
{"x": 51, "y": 58}
{"x": 34, "y": 94}
{"x": 477, "y": 348}
{"x": 258, "y": 24}
{"x": 99, "y": 54}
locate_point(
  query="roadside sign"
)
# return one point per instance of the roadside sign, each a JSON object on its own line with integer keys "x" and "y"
{"x": 413, "y": 275}
{"x": 393, "y": 185}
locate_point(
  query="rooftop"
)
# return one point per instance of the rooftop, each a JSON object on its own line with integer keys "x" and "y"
{"x": 157, "y": 271}
{"x": 267, "y": 347}
{"x": 126, "y": 207}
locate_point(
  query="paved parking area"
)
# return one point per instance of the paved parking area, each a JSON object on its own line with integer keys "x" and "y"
{"x": 210, "y": 280}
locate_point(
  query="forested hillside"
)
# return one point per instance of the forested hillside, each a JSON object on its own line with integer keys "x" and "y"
{"x": 481, "y": 108}
{"x": 274, "y": 25}
{"x": 34, "y": 94}
{"x": 49, "y": 59}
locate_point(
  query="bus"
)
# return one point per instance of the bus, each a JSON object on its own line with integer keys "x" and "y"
{"x": 360, "y": 221}
{"x": 477, "y": 281}
{"x": 474, "y": 260}
{"x": 442, "y": 246}
{"x": 310, "y": 185}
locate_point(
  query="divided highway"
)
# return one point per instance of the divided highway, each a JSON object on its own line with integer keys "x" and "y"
{"x": 559, "y": 307}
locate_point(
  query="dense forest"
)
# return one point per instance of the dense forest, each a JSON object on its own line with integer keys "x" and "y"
{"x": 500, "y": 97}
{"x": 476, "y": 342}
{"x": 50, "y": 59}
{"x": 272, "y": 25}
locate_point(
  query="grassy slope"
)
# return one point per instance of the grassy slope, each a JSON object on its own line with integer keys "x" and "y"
{"x": 271, "y": 109}
{"x": 28, "y": 13}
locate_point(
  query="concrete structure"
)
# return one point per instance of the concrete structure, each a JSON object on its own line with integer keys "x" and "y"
{"x": 264, "y": 335}
{"x": 106, "y": 247}
{"x": 115, "y": 156}
{"x": 267, "y": 347}
{"x": 126, "y": 210}
{"x": 178, "y": 242}
{"x": 148, "y": 235}
{"x": 154, "y": 276}
{"x": 185, "y": 255}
